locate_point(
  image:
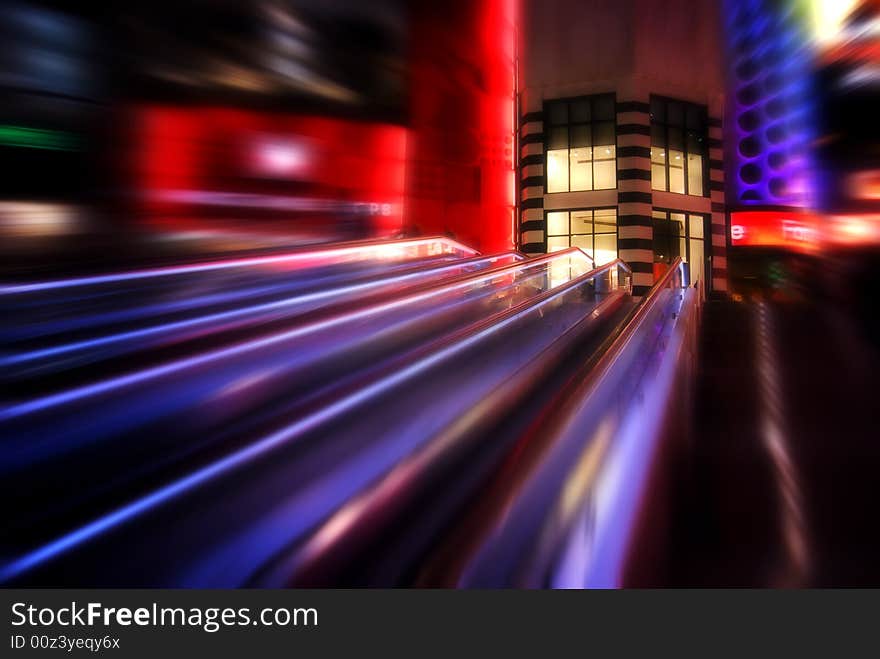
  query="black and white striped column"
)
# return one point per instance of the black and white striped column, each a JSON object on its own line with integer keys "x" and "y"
{"x": 719, "y": 216}
{"x": 635, "y": 228}
{"x": 531, "y": 184}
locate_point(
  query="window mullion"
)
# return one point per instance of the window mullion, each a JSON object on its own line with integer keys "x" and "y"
{"x": 707, "y": 179}
{"x": 568, "y": 154}
{"x": 667, "y": 156}
{"x": 593, "y": 233}
{"x": 687, "y": 239}
{"x": 592, "y": 125}
{"x": 687, "y": 184}
{"x": 569, "y": 228}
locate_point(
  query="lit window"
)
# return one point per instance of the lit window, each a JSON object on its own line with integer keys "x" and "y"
{"x": 605, "y": 248}
{"x": 593, "y": 230}
{"x": 557, "y": 170}
{"x": 678, "y": 146}
{"x": 581, "y": 177}
{"x": 695, "y": 228}
{"x": 557, "y": 223}
{"x": 581, "y": 222}
{"x": 696, "y": 260}
{"x": 581, "y": 144}
{"x": 676, "y": 171}
{"x": 556, "y": 243}
{"x": 584, "y": 242}
{"x": 658, "y": 161}
{"x": 605, "y": 170}
{"x": 695, "y": 172}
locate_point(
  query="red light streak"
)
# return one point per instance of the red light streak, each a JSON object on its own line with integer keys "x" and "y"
{"x": 793, "y": 230}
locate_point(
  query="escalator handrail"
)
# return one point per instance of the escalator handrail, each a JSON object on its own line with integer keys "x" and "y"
{"x": 391, "y": 490}
{"x": 221, "y": 264}
{"x": 152, "y": 327}
{"x": 102, "y": 386}
{"x": 500, "y": 503}
{"x": 221, "y": 467}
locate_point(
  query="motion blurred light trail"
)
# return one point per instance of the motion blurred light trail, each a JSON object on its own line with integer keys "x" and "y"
{"x": 294, "y": 302}
{"x": 267, "y": 444}
{"x": 175, "y": 367}
{"x": 437, "y": 348}
{"x": 381, "y": 249}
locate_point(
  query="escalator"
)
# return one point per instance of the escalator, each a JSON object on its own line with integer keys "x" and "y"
{"x": 68, "y": 332}
{"x": 348, "y": 444}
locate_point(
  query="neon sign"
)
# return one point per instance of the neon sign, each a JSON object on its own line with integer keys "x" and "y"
{"x": 787, "y": 229}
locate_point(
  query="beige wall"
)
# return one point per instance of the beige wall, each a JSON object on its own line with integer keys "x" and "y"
{"x": 632, "y": 47}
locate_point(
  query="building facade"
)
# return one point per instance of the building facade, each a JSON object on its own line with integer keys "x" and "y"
{"x": 620, "y": 138}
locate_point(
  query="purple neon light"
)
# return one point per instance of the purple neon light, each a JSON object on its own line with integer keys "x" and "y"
{"x": 771, "y": 129}
{"x": 272, "y": 441}
{"x": 242, "y": 312}
{"x": 363, "y": 251}
{"x": 177, "y": 366}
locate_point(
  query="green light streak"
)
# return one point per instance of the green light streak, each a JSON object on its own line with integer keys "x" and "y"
{"x": 38, "y": 138}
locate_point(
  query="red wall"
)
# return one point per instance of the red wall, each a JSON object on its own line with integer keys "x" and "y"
{"x": 460, "y": 178}
{"x": 449, "y": 171}
{"x": 297, "y": 170}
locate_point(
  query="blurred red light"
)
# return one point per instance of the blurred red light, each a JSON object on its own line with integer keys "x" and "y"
{"x": 792, "y": 229}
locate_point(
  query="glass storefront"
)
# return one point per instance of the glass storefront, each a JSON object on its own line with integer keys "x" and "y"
{"x": 581, "y": 144}
{"x": 594, "y": 230}
{"x": 678, "y": 147}
{"x": 680, "y": 234}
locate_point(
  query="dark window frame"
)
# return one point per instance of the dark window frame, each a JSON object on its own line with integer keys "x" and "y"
{"x": 702, "y": 136}
{"x": 707, "y": 242}
{"x": 592, "y": 100}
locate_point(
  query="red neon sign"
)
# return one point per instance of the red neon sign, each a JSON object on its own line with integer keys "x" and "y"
{"x": 201, "y": 167}
{"x": 794, "y": 230}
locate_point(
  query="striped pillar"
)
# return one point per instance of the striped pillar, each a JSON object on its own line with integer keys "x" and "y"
{"x": 531, "y": 183}
{"x": 635, "y": 228}
{"x": 719, "y": 221}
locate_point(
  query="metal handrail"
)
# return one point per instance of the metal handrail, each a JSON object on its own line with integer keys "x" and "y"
{"x": 254, "y": 452}
{"x": 361, "y": 520}
{"x": 358, "y": 309}
{"x": 221, "y": 264}
{"x": 499, "y": 503}
{"x": 294, "y": 303}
